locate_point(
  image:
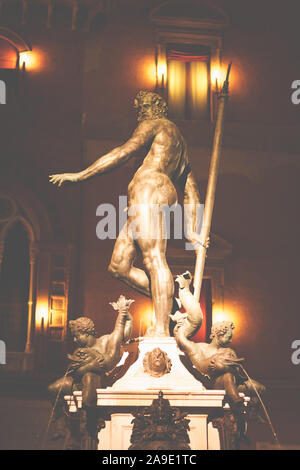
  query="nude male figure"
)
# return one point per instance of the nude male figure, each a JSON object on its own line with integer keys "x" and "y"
{"x": 161, "y": 150}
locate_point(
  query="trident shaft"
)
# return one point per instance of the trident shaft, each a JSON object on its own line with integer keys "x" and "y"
{"x": 212, "y": 183}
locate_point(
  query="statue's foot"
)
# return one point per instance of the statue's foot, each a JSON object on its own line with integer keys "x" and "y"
{"x": 153, "y": 331}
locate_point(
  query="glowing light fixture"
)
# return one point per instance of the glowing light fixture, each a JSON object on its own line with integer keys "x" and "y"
{"x": 41, "y": 313}
{"x": 146, "y": 318}
{"x": 215, "y": 77}
{"x": 161, "y": 74}
{"x": 228, "y": 314}
{"x": 28, "y": 60}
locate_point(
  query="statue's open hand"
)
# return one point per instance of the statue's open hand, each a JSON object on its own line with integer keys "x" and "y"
{"x": 62, "y": 178}
{"x": 197, "y": 241}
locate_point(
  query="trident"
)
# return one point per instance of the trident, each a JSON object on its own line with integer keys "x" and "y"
{"x": 211, "y": 187}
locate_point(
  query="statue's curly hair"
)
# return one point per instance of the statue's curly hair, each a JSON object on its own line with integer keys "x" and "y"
{"x": 84, "y": 325}
{"x": 219, "y": 328}
{"x": 159, "y": 104}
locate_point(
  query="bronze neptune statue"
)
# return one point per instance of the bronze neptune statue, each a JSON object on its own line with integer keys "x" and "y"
{"x": 162, "y": 153}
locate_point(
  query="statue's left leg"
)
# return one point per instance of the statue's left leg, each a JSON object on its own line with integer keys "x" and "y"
{"x": 161, "y": 280}
{"x": 90, "y": 382}
{"x": 249, "y": 387}
{"x": 228, "y": 383}
{"x": 121, "y": 263}
{"x": 89, "y": 416}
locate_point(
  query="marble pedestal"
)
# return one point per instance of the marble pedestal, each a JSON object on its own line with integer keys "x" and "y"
{"x": 138, "y": 389}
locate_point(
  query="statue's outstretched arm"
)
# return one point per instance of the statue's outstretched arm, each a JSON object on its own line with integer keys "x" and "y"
{"x": 180, "y": 333}
{"x": 128, "y": 327}
{"x": 141, "y": 137}
{"x": 122, "y": 329}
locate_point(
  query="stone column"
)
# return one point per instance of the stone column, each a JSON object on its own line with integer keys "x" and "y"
{"x": 33, "y": 251}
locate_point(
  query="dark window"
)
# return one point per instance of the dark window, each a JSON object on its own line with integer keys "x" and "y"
{"x": 14, "y": 288}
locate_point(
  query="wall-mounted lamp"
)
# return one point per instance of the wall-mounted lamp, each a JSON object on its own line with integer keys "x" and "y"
{"x": 147, "y": 318}
{"x": 27, "y": 60}
{"x": 161, "y": 75}
{"x": 227, "y": 314}
{"x": 215, "y": 78}
{"x": 41, "y": 314}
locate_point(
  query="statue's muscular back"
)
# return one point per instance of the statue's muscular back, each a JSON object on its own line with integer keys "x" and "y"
{"x": 165, "y": 161}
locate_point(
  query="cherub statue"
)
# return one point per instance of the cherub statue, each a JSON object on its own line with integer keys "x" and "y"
{"x": 215, "y": 360}
{"x": 90, "y": 362}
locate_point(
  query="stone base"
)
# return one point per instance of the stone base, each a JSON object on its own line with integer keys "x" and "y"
{"x": 179, "y": 378}
{"x": 117, "y": 432}
{"x": 138, "y": 389}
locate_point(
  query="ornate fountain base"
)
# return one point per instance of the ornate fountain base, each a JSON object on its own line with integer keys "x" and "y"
{"x": 158, "y": 368}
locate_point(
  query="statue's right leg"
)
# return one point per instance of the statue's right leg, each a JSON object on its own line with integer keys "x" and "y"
{"x": 227, "y": 382}
{"x": 121, "y": 264}
{"x": 60, "y": 387}
{"x": 90, "y": 382}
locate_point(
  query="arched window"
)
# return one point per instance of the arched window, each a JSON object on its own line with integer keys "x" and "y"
{"x": 14, "y": 288}
{"x": 17, "y": 276}
{"x": 34, "y": 281}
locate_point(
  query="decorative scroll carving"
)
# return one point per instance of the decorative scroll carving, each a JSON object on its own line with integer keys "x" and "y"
{"x": 231, "y": 430}
{"x": 160, "y": 427}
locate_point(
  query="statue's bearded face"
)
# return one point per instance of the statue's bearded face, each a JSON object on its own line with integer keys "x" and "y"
{"x": 150, "y": 106}
{"x": 144, "y": 108}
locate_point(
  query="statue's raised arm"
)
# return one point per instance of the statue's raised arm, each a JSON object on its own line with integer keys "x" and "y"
{"x": 141, "y": 137}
